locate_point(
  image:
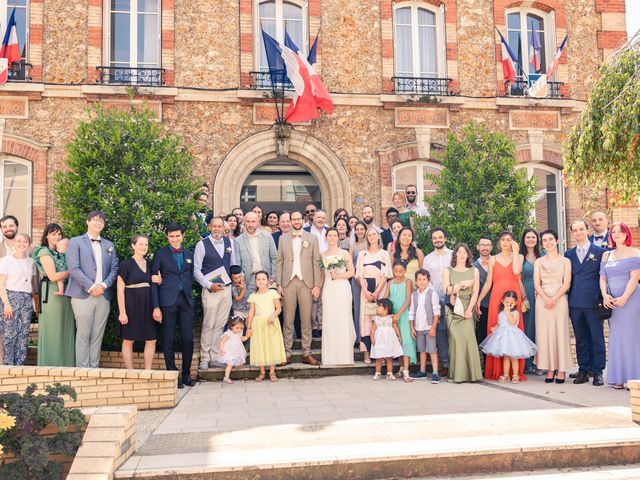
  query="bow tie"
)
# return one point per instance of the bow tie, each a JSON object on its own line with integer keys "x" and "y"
{"x": 176, "y": 250}
{"x": 599, "y": 237}
{"x": 96, "y": 240}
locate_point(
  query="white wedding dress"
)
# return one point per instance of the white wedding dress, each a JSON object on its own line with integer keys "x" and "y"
{"x": 338, "y": 332}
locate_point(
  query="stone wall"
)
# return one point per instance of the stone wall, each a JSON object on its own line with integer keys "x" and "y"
{"x": 146, "y": 389}
{"x": 65, "y": 36}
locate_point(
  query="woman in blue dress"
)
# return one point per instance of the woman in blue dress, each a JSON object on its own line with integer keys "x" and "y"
{"x": 619, "y": 276}
{"x": 530, "y": 249}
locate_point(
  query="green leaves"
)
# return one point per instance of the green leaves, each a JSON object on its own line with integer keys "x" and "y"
{"x": 604, "y": 148}
{"x": 124, "y": 164}
{"x": 478, "y": 191}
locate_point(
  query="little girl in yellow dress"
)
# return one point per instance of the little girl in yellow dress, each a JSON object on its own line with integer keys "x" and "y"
{"x": 267, "y": 345}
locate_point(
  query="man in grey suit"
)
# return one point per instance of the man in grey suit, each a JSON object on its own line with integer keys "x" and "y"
{"x": 255, "y": 251}
{"x": 93, "y": 268}
{"x": 299, "y": 280}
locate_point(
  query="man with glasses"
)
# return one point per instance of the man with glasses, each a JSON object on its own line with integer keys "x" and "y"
{"x": 411, "y": 192}
{"x": 310, "y": 211}
{"x": 484, "y": 247}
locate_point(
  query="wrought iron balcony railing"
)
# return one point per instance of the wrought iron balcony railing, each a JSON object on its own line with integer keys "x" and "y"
{"x": 131, "y": 76}
{"x": 521, "y": 89}
{"x": 422, "y": 85}
{"x": 262, "y": 81}
{"x": 19, "y": 71}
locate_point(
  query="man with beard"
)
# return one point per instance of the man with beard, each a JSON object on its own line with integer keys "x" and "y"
{"x": 9, "y": 226}
{"x": 309, "y": 211}
{"x": 435, "y": 263}
{"x": 411, "y": 192}
{"x": 367, "y": 217}
{"x": 386, "y": 236}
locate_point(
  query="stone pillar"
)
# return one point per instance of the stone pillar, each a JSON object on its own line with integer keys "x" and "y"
{"x": 423, "y": 141}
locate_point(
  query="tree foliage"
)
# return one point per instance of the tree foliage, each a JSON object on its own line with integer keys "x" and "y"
{"x": 479, "y": 192}
{"x": 124, "y": 164}
{"x": 604, "y": 147}
{"x": 33, "y": 413}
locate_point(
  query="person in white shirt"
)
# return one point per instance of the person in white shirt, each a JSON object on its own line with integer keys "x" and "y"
{"x": 255, "y": 250}
{"x": 411, "y": 192}
{"x": 424, "y": 315}
{"x": 600, "y": 226}
{"x": 435, "y": 263}
{"x": 17, "y": 278}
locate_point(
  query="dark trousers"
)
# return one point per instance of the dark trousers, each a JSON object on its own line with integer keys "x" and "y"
{"x": 181, "y": 313}
{"x": 442, "y": 335}
{"x": 590, "y": 346}
{"x": 481, "y": 324}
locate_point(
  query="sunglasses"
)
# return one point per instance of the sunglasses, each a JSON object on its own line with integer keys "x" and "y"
{"x": 411, "y": 192}
{"x": 343, "y": 216}
{"x": 309, "y": 211}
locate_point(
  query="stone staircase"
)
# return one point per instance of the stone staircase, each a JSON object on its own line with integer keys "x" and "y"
{"x": 296, "y": 369}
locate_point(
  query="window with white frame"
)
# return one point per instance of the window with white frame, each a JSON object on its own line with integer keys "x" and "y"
{"x": 16, "y": 180}
{"x": 276, "y": 17}
{"x": 548, "y": 211}
{"x": 133, "y": 39}
{"x": 419, "y": 49}
{"x": 526, "y": 30}
{"x": 21, "y": 7}
{"x": 414, "y": 173}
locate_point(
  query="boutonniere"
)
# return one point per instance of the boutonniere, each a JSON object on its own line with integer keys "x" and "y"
{"x": 305, "y": 244}
{"x": 188, "y": 260}
{"x": 150, "y": 256}
{"x": 228, "y": 250}
{"x": 110, "y": 250}
{"x": 591, "y": 256}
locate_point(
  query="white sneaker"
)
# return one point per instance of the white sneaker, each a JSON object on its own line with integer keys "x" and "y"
{"x": 203, "y": 366}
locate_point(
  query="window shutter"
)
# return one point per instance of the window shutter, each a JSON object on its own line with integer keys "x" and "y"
{"x": 442, "y": 39}
{"x": 106, "y": 28}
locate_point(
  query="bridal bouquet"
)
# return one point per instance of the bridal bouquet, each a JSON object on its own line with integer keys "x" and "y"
{"x": 333, "y": 262}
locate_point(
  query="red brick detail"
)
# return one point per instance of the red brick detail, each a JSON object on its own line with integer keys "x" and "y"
{"x": 386, "y": 10}
{"x": 246, "y": 42}
{"x": 94, "y": 37}
{"x": 387, "y": 85}
{"x": 93, "y": 3}
{"x": 92, "y": 75}
{"x": 169, "y": 77}
{"x": 168, "y": 4}
{"x": 168, "y": 39}
{"x": 610, "y": 6}
{"x": 35, "y": 34}
{"x": 523, "y": 156}
{"x": 387, "y": 48}
{"x": 611, "y": 39}
{"x": 452, "y": 51}
{"x": 635, "y": 236}
{"x": 552, "y": 158}
{"x": 314, "y": 8}
{"x": 36, "y": 73}
{"x": 246, "y": 6}
{"x": 450, "y": 12}
{"x": 545, "y": 6}
{"x": 565, "y": 90}
{"x": 245, "y": 80}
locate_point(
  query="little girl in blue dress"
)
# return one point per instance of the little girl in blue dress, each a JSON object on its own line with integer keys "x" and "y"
{"x": 506, "y": 340}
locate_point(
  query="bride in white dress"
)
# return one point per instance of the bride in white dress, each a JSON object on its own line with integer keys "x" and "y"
{"x": 338, "y": 332}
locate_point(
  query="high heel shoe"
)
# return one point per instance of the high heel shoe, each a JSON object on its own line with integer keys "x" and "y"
{"x": 550, "y": 379}
{"x": 559, "y": 380}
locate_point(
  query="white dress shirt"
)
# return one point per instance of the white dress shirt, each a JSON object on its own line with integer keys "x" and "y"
{"x": 321, "y": 235}
{"x": 97, "y": 255}
{"x": 421, "y": 321}
{"x": 199, "y": 253}
{"x": 296, "y": 244}
{"x": 254, "y": 245}
{"x": 435, "y": 265}
{"x": 598, "y": 240}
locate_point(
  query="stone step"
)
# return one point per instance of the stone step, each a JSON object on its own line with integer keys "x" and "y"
{"x": 387, "y": 447}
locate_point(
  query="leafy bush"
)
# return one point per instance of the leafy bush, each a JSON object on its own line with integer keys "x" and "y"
{"x": 33, "y": 413}
{"x": 479, "y": 192}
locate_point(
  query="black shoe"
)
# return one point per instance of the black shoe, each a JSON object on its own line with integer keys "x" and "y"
{"x": 550, "y": 379}
{"x": 598, "y": 381}
{"x": 559, "y": 380}
{"x": 180, "y": 384}
{"x": 316, "y": 334}
{"x": 188, "y": 381}
{"x": 574, "y": 375}
{"x": 583, "y": 377}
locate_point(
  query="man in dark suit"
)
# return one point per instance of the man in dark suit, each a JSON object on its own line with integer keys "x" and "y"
{"x": 386, "y": 236}
{"x": 172, "y": 300}
{"x": 583, "y": 297}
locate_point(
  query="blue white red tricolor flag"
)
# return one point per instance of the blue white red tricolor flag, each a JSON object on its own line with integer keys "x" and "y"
{"x": 320, "y": 92}
{"x": 10, "y": 49}
{"x": 535, "y": 50}
{"x": 556, "y": 59}
{"x": 508, "y": 60}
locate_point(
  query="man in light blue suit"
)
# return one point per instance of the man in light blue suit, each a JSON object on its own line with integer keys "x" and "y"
{"x": 255, "y": 251}
{"x": 93, "y": 268}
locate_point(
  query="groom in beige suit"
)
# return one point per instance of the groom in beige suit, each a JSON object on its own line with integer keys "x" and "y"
{"x": 299, "y": 280}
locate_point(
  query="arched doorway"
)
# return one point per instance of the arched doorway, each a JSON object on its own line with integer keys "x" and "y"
{"x": 280, "y": 185}
{"x": 297, "y": 150}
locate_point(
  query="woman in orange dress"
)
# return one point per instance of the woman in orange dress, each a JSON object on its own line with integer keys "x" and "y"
{"x": 504, "y": 274}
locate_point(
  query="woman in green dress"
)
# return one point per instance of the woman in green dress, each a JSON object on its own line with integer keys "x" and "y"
{"x": 56, "y": 323}
{"x": 462, "y": 279}
{"x": 404, "y": 214}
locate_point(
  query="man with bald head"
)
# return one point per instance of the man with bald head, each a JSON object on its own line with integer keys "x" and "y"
{"x": 600, "y": 226}
{"x": 255, "y": 251}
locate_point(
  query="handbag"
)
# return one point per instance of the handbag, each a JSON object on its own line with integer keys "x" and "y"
{"x": 458, "y": 307}
{"x": 603, "y": 313}
{"x": 370, "y": 308}
{"x": 526, "y": 306}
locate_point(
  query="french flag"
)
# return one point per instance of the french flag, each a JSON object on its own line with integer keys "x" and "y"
{"x": 10, "y": 51}
{"x": 320, "y": 92}
{"x": 556, "y": 59}
{"x": 508, "y": 60}
{"x": 303, "y": 105}
{"x": 535, "y": 50}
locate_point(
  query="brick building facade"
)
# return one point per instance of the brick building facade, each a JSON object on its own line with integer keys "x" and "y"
{"x": 402, "y": 74}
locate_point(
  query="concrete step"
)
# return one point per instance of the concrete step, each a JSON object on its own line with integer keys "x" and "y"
{"x": 390, "y": 447}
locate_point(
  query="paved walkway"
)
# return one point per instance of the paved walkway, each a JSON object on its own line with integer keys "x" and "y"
{"x": 215, "y": 424}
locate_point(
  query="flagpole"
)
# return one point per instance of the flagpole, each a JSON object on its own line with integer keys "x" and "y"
{"x": 279, "y": 116}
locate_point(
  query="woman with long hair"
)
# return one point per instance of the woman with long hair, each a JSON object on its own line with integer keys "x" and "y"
{"x": 344, "y": 232}
{"x": 407, "y": 252}
{"x": 235, "y": 228}
{"x": 530, "y": 250}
